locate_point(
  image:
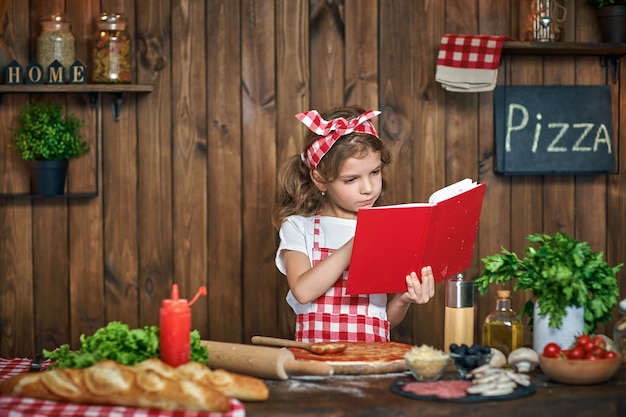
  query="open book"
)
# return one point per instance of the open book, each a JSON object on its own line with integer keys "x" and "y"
{"x": 390, "y": 242}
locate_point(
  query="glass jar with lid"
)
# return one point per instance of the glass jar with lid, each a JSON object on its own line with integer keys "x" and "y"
{"x": 112, "y": 59}
{"x": 56, "y": 42}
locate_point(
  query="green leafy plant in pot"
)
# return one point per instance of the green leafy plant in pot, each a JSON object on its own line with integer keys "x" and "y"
{"x": 47, "y": 137}
{"x": 611, "y": 15}
{"x": 561, "y": 273}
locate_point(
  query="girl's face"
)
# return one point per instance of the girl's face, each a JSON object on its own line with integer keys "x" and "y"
{"x": 358, "y": 184}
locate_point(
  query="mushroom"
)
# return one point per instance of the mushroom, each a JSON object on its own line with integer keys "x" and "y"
{"x": 498, "y": 360}
{"x": 523, "y": 359}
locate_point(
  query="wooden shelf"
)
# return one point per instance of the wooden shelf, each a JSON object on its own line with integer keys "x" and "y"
{"x": 77, "y": 88}
{"x": 94, "y": 91}
{"x": 564, "y": 48}
{"x": 69, "y": 195}
{"x": 117, "y": 90}
{"x": 609, "y": 53}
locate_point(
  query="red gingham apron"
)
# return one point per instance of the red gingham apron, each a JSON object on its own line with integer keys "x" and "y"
{"x": 336, "y": 316}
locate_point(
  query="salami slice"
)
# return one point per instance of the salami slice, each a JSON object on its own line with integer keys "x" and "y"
{"x": 440, "y": 389}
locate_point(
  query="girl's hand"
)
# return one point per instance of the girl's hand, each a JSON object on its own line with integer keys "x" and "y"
{"x": 420, "y": 292}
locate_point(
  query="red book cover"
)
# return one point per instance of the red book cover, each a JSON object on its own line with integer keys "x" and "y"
{"x": 390, "y": 242}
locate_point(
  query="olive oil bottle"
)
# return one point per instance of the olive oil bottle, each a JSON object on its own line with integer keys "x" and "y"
{"x": 503, "y": 329}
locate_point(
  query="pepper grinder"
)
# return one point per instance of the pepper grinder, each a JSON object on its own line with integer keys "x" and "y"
{"x": 459, "y": 313}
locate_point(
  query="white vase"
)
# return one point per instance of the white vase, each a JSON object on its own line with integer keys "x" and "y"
{"x": 572, "y": 326}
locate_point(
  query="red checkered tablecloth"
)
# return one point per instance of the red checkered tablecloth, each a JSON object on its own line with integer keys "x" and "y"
{"x": 33, "y": 407}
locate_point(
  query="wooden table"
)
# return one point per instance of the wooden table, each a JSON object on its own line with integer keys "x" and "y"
{"x": 371, "y": 396}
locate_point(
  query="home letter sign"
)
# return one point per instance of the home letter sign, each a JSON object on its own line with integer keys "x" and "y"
{"x": 554, "y": 130}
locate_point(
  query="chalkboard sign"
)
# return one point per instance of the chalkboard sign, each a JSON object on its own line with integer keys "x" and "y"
{"x": 554, "y": 130}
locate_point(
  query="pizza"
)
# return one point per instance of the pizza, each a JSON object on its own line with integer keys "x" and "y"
{"x": 361, "y": 357}
{"x": 357, "y": 352}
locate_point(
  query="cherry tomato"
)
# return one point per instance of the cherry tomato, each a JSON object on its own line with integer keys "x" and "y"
{"x": 551, "y": 350}
{"x": 599, "y": 341}
{"x": 598, "y": 352}
{"x": 588, "y": 346}
{"x": 610, "y": 354}
{"x": 582, "y": 339}
{"x": 591, "y": 357}
{"x": 576, "y": 353}
{"x": 564, "y": 354}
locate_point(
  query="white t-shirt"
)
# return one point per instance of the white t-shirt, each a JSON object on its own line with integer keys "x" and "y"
{"x": 296, "y": 233}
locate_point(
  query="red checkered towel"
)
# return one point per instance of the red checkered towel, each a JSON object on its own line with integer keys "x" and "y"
{"x": 469, "y": 63}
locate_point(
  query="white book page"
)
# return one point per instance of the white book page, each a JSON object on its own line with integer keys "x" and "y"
{"x": 405, "y": 205}
{"x": 451, "y": 190}
{"x": 439, "y": 195}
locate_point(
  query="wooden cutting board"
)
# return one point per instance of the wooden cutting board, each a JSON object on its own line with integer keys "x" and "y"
{"x": 361, "y": 358}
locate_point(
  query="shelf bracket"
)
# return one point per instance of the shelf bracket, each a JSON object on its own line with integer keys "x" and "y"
{"x": 612, "y": 61}
{"x": 116, "y": 106}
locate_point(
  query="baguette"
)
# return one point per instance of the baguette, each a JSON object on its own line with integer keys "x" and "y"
{"x": 242, "y": 387}
{"x": 149, "y": 384}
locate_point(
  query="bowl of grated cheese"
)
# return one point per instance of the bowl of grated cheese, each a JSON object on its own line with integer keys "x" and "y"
{"x": 426, "y": 363}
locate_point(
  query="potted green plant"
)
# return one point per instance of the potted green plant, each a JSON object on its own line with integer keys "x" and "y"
{"x": 611, "y": 16}
{"x": 598, "y": 4}
{"x": 561, "y": 273}
{"x": 47, "y": 137}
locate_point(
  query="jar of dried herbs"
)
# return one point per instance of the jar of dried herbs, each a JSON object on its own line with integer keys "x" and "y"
{"x": 55, "y": 42}
{"x": 112, "y": 59}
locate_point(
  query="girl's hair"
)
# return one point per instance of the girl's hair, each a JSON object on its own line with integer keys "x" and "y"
{"x": 296, "y": 194}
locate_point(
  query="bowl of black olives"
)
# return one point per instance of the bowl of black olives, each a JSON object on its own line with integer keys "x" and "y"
{"x": 466, "y": 358}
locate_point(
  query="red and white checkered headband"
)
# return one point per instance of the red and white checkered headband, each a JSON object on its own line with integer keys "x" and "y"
{"x": 330, "y": 132}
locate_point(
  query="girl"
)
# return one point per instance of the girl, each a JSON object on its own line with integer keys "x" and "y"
{"x": 318, "y": 196}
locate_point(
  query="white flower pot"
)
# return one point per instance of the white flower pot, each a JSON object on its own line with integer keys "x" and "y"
{"x": 572, "y": 326}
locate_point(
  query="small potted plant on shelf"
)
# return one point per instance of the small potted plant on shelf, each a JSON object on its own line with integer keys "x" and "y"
{"x": 598, "y": 4}
{"x": 611, "y": 16}
{"x": 48, "y": 138}
{"x": 563, "y": 275}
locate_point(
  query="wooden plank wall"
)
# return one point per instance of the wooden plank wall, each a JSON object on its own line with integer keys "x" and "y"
{"x": 187, "y": 173}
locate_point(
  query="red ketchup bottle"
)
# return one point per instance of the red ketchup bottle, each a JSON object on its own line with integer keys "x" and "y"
{"x": 175, "y": 328}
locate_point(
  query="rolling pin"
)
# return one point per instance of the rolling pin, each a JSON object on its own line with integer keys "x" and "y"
{"x": 261, "y": 361}
{"x": 330, "y": 347}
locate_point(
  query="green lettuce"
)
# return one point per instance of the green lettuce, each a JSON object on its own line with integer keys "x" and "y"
{"x": 118, "y": 342}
